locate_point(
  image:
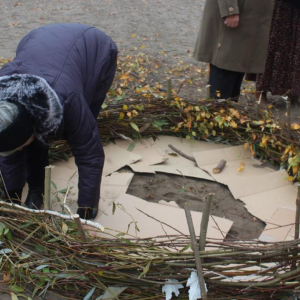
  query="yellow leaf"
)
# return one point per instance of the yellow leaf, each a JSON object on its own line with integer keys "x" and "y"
{"x": 234, "y": 113}
{"x": 233, "y": 124}
{"x": 121, "y": 116}
{"x": 100, "y": 273}
{"x": 241, "y": 167}
{"x": 295, "y": 169}
{"x": 189, "y": 124}
{"x": 135, "y": 113}
{"x": 214, "y": 133}
{"x": 295, "y": 126}
{"x": 125, "y": 107}
{"x": 180, "y": 124}
{"x": 133, "y": 35}
{"x": 264, "y": 141}
{"x": 251, "y": 150}
{"x": 290, "y": 178}
{"x": 64, "y": 228}
{"x": 287, "y": 150}
{"x": 143, "y": 46}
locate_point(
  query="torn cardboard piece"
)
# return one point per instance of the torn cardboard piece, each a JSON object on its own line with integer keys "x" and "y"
{"x": 117, "y": 158}
{"x": 149, "y": 152}
{"x": 264, "y": 205}
{"x": 130, "y": 218}
{"x": 179, "y": 165}
{"x": 64, "y": 175}
{"x": 258, "y": 184}
{"x": 280, "y": 227}
{"x": 235, "y": 157}
{"x": 112, "y": 187}
{"x": 264, "y": 194}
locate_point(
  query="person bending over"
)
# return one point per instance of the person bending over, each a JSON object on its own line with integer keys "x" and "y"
{"x": 55, "y": 87}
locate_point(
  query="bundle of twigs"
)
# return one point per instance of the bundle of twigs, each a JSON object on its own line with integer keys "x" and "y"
{"x": 213, "y": 121}
{"x": 45, "y": 254}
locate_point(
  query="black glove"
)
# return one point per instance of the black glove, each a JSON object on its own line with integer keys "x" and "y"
{"x": 34, "y": 199}
{"x": 15, "y": 196}
{"x": 87, "y": 213}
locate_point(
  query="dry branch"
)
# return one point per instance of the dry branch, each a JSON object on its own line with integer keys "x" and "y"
{"x": 219, "y": 168}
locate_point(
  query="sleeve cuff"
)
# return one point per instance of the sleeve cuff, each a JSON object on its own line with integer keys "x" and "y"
{"x": 228, "y": 8}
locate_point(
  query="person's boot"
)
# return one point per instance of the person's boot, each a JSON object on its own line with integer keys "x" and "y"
{"x": 87, "y": 213}
{"x": 34, "y": 199}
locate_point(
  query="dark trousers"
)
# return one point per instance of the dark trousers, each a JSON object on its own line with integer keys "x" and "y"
{"x": 31, "y": 162}
{"x": 224, "y": 84}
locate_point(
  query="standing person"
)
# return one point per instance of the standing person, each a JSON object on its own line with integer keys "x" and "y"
{"x": 233, "y": 39}
{"x": 282, "y": 72}
{"x": 55, "y": 86}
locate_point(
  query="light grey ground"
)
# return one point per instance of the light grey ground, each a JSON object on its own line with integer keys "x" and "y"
{"x": 160, "y": 25}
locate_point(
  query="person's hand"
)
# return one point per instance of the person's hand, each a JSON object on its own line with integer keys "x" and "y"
{"x": 232, "y": 21}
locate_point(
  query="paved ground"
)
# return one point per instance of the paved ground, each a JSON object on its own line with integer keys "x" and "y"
{"x": 156, "y": 25}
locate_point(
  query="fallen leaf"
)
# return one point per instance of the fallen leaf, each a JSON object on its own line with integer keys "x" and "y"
{"x": 241, "y": 167}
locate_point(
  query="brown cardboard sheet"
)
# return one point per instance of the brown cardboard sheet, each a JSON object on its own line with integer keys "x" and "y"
{"x": 117, "y": 158}
{"x": 127, "y": 218}
{"x": 258, "y": 183}
{"x": 149, "y": 152}
{"x": 179, "y": 165}
{"x": 280, "y": 227}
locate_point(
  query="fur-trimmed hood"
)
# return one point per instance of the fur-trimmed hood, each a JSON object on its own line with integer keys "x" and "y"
{"x": 39, "y": 99}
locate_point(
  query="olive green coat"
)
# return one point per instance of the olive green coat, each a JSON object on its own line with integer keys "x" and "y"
{"x": 241, "y": 49}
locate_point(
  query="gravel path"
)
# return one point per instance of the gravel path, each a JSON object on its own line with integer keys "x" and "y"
{"x": 152, "y": 25}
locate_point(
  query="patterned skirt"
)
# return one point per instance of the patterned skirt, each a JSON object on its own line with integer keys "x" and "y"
{"x": 282, "y": 71}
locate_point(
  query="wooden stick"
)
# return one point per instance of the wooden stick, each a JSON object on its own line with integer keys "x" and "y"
{"x": 47, "y": 195}
{"x": 52, "y": 213}
{"x": 182, "y": 154}
{"x": 79, "y": 227}
{"x": 65, "y": 200}
{"x": 219, "y": 168}
{"x": 169, "y": 89}
{"x": 288, "y": 113}
{"x": 204, "y": 222}
{"x": 196, "y": 253}
{"x": 297, "y": 219}
{"x": 208, "y": 92}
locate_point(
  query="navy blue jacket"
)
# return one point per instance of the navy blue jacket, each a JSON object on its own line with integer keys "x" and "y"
{"x": 79, "y": 63}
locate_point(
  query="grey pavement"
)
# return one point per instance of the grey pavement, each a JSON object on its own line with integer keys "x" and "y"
{"x": 150, "y": 25}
